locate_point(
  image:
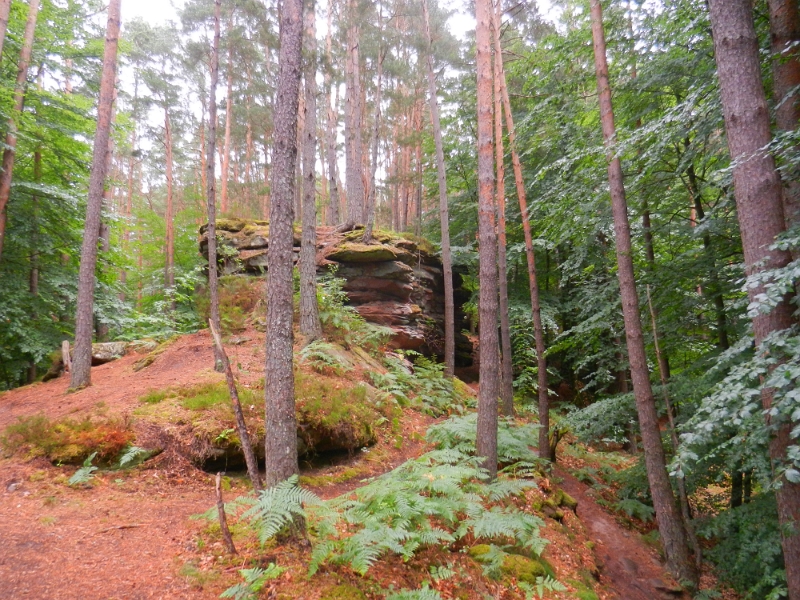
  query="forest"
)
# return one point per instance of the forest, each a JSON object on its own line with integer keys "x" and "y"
{"x": 607, "y": 193}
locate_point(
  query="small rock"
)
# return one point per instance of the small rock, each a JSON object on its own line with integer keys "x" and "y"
{"x": 13, "y": 486}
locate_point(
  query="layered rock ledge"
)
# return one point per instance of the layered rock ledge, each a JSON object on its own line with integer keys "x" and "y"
{"x": 395, "y": 281}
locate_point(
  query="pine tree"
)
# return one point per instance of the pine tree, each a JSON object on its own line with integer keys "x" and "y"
{"x": 757, "y": 187}
{"x": 670, "y": 524}
{"x": 82, "y": 359}
{"x": 281, "y": 425}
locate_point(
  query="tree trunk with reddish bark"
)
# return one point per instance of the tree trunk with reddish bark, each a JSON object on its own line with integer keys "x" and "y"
{"x": 759, "y": 206}
{"x": 169, "y": 216}
{"x": 536, "y": 313}
{"x": 310, "y": 326}
{"x": 281, "y": 425}
{"x": 9, "y": 153}
{"x": 352, "y": 116}
{"x": 444, "y": 217}
{"x": 82, "y": 356}
{"x": 489, "y": 390}
{"x": 5, "y": 9}
{"x": 670, "y": 524}
{"x": 784, "y": 26}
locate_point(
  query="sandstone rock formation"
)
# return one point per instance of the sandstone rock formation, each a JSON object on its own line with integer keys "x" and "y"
{"x": 396, "y": 281}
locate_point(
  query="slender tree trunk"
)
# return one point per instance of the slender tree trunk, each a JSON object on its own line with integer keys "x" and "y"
{"x": 203, "y": 157}
{"x": 33, "y": 278}
{"x": 310, "y": 326}
{"x": 353, "y": 147}
{"x": 211, "y": 189}
{"x": 670, "y": 524}
{"x": 5, "y": 9}
{"x": 226, "y": 150}
{"x": 376, "y": 126}
{"x": 784, "y": 25}
{"x": 759, "y": 206}
{"x": 536, "y": 312}
{"x": 82, "y": 355}
{"x": 507, "y": 382}
{"x": 169, "y": 217}
{"x": 281, "y": 425}
{"x": 489, "y": 390}
{"x": 20, "y": 88}
{"x": 331, "y": 122}
{"x": 444, "y": 217}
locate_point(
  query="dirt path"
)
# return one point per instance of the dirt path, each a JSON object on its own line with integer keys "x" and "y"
{"x": 627, "y": 565}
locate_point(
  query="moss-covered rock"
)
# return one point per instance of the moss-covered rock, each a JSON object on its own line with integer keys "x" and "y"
{"x": 356, "y": 252}
{"x": 343, "y": 592}
{"x": 521, "y": 568}
{"x": 563, "y": 499}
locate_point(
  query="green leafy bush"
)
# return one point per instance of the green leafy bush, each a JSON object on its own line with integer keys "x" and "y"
{"x": 239, "y": 297}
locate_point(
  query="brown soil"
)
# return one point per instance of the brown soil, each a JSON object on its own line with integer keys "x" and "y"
{"x": 631, "y": 568}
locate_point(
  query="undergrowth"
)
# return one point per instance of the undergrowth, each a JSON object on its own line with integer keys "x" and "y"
{"x": 443, "y": 499}
{"x": 68, "y": 441}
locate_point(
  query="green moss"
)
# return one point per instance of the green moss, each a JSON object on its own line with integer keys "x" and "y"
{"x": 561, "y": 498}
{"x": 343, "y": 592}
{"x": 517, "y": 566}
{"x": 231, "y": 225}
{"x": 334, "y": 478}
{"x": 356, "y": 252}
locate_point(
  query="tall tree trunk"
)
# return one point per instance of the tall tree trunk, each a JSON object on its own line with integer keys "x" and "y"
{"x": 20, "y": 88}
{"x": 5, "y": 9}
{"x": 310, "y": 326}
{"x": 169, "y": 217}
{"x": 668, "y": 517}
{"x": 211, "y": 189}
{"x": 331, "y": 123}
{"x": 226, "y": 150}
{"x": 784, "y": 25}
{"x": 444, "y": 217}
{"x": 352, "y": 115}
{"x": 203, "y": 157}
{"x": 376, "y": 126}
{"x": 507, "y": 382}
{"x": 533, "y": 283}
{"x": 489, "y": 390}
{"x": 33, "y": 278}
{"x": 281, "y": 425}
{"x": 759, "y": 206}
{"x": 82, "y": 355}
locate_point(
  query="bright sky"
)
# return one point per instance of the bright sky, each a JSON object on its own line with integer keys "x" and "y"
{"x": 159, "y": 11}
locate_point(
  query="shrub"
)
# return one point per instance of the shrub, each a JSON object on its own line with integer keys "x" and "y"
{"x": 69, "y": 440}
{"x": 239, "y": 297}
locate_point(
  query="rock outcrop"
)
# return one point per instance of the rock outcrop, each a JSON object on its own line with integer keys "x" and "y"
{"x": 395, "y": 281}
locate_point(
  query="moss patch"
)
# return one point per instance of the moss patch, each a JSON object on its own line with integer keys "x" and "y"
{"x": 343, "y": 592}
{"x": 521, "y": 568}
{"x": 356, "y": 252}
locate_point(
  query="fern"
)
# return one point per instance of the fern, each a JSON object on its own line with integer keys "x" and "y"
{"x": 543, "y": 584}
{"x": 634, "y": 508}
{"x": 133, "y": 456}
{"x": 254, "y": 580}
{"x": 424, "y": 593}
{"x": 85, "y": 473}
{"x": 323, "y": 356}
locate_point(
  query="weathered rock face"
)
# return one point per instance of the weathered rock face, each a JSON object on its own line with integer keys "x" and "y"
{"x": 395, "y": 281}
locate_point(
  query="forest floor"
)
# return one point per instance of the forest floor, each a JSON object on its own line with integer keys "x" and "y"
{"x": 129, "y": 533}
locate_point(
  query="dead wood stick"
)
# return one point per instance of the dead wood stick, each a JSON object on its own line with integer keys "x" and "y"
{"x": 223, "y": 520}
{"x": 244, "y": 438}
{"x": 107, "y": 529}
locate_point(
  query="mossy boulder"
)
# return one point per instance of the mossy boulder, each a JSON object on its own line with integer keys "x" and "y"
{"x": 521, "y": 568}
{"x": 363, "y": 253}
{"x": 563, "y": 499}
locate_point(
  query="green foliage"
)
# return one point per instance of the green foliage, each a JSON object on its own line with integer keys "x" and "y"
{"x": 324, "y": 357}
{"x": 424, "y": 593}
{"x": 542, "y": 585}
{"x": 434, "y": 500}
{"x": 513, "y": 441}
{"x": 610, "y": 419}
{"x": 133, "y": 456}
{"x": 85, "y": 473}
{"x": 425, "y": 386}
{"x": 746, "y": 548}
{"x": 254, "y": 580}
